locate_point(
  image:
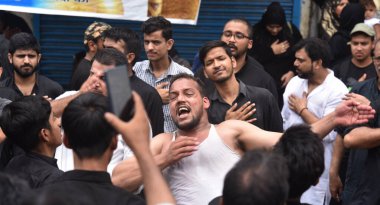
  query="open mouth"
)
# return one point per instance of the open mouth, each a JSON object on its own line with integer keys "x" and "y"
{"x": 183, "y": 110}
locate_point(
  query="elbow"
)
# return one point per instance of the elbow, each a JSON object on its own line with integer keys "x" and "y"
{"x": 349, "y": 142}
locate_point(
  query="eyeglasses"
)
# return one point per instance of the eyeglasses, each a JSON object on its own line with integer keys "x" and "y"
{"x": 237, "y": 35}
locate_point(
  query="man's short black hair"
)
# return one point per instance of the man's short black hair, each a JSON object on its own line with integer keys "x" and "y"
{"x": 244, "y": 21}
{"x": 23, "y": 41}
{"x": 316, "y": 49}
{"x": 200, "y": 84}
{"x": 211, "y": 45}
{"x": 87, "y": 131}
{"x": 259, "y": 178}
{"x": 304, "y": 152}
{"x": 130, "y": 38}
{"x": 23, "y": 119}
{"x": 157, "y": 23}
{"x": 110, "y": 56}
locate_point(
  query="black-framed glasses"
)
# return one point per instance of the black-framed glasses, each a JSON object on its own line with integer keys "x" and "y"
{"x": 237, "y": 35}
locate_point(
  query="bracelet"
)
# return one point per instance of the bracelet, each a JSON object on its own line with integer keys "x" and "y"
{"x": 305, "y": 108}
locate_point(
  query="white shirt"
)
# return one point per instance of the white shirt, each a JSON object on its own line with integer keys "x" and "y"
{"x": 65, "y": 158}
{"x": 321, "y": 101}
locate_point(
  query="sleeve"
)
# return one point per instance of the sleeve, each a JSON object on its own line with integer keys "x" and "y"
{"x": 155, "y": 113}
{"x": 274, "y": 120}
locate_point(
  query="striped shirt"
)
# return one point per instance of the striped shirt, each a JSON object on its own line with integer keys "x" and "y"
{"x": 144, "y": 71}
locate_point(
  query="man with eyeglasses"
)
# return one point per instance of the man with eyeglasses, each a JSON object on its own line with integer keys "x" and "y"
{"x": 237, "y": 33}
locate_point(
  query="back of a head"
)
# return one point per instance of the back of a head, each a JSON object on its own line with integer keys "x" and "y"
{"x": 87, "y": 131}
{"x": 316, "y": 49}
{"x": 13, "y": 190}
{"x": 131, "y": 39}
{"x": 259, "y": 178}
{"x": 23, "y": 119}
{"x": 110, "y": 56}
{"x": 304, "y": 152}
{"x": 23, "y": 41}
{"x": 157, "y": 23}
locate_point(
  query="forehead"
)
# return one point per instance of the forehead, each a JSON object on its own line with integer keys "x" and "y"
{"x": 183, "y": 84}
{"x": 98, "y": 67}
{"x": 215, "y": 52}
{"x": 302, "y": 54}
{"x": 25, "y": 52}
{"x": 154, "y": 35}
{"x": 236, "y": 26}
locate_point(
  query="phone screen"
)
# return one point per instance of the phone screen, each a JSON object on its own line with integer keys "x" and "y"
{"x": 120, "y": 92}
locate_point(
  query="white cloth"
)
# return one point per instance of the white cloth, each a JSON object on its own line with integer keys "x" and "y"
{"x": 65, "y": 158}
{"x": 197, "y": 179}
{"x": 145, "y": 73}
{"x": 372, "y": 21}
{"x": 321, "y": 101}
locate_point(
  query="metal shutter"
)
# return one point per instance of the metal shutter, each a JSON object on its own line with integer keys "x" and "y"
{"x": 62, "y": 36}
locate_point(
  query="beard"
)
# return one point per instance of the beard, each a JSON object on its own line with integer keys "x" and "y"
{"x": 306, "y": 75}
{"x": 24, "y": 73}
{"x": 190, "y": 125}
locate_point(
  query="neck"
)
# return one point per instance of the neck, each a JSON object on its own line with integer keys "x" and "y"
{"x": 31, "y": 80}
{"x": 240, "y": 62}
{"x": 44, "y": 149}
{"x": 89, "y": 55}
{"x": 200, "y": 131}
{"x": 228, "y": 90}
{"x": 319, "y": 77}
{"x": 362, "y": 63}
{"x": 160, "y": 65}
{"x": 91, "y": 164}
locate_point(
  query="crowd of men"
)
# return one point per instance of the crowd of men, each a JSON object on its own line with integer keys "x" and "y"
{"x": 214, "y": 135}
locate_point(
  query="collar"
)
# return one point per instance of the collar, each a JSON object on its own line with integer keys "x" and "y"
{"x": 89, "y": 176}
{"x": 10, "y": 81}
{"x": 170, "y": 71}
{"x": 50, "y": 160}
{"x": 242, "y": 91}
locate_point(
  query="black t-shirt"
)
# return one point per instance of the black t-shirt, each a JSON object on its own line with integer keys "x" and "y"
{"x": 349, "y": 73}
{"x": 80, "y": 74}
{"x": 90, "y": 187}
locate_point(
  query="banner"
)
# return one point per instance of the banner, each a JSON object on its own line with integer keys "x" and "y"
{"x": 177, "y": 11}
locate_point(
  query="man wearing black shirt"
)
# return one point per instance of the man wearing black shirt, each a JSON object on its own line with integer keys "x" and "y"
{"x": 29, "y": 124}
{"x": 232, "y": 99}
{"x": 24, "y": 55}
{"x": 128, "y": 42}
{"x": 360, "y": 66}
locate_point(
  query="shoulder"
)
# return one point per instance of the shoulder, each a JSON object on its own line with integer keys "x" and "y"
{"x": 180, "y": 69}
{"x": 142, "y": 65}
{"x": 259, "y": 92}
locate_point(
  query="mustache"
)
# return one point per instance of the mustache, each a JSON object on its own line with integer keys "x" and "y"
{"x": 26, "y": 65}
{"x": 231, "y": 45}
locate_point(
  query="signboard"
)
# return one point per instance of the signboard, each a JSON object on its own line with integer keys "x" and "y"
{"x": 177, "y": 11}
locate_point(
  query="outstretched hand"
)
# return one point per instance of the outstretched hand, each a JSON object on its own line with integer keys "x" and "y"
{"x": 135, "y": 132}
{"x": 350, "y": 112}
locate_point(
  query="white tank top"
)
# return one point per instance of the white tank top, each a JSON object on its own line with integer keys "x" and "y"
{"x": 197, "y": 179}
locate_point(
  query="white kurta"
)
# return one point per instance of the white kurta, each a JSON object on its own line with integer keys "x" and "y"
{"x": 321, "y": 101}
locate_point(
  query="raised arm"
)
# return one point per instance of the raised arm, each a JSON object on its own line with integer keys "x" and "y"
{"x": 136, "y": 135}
{"x": 362, "y": 137}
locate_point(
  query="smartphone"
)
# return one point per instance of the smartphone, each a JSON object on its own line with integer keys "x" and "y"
{"x": 120, "y": 92}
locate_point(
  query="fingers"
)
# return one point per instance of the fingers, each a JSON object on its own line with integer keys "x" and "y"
{"x": 232, "y": 108}
{"x": 162, "y": 85}
{"x": 362, "y": 78}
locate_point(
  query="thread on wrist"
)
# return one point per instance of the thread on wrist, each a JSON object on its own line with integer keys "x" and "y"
{"x": 305, "y": 108}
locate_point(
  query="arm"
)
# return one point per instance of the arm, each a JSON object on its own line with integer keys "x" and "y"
{"x": 335, "y": 182}
{"x": 363, "y": 137}
{"x": 347, "y": 113}
{"x": 135, "y": 133}
{"x": 299, "y": 106}
{"x": 59, "y": 105}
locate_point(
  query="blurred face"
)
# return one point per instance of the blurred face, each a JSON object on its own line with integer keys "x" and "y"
{"x": 361, "y": 46}
{"x": 273, "y": 29}
{"x": 186, "y": 104}
{"x": 304, "y": 65}
{"x": 55, "y": 130}
{"x": 340, "y": 7}
{"x": 376, "y": 58}
{"x": 235, "y": 34}
{"x": 24, "y": 62}
{"x": 97, "y": 77}
{"x": 370, "y": 12}
{"x": 218, "y": 67}
{"x": 118, "y": 45}
{"x": 156, "y": 47}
